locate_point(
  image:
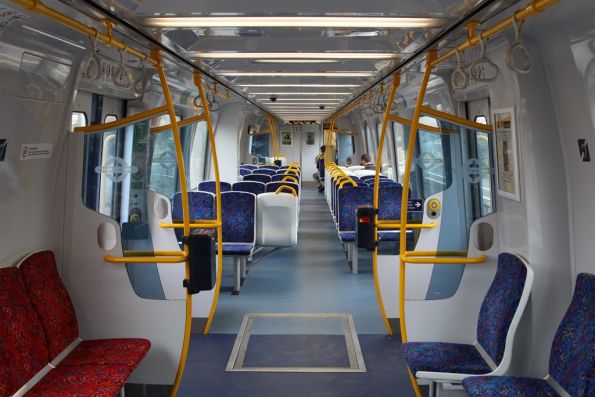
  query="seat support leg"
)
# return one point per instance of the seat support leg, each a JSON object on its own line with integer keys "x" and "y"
{"x": 243, "y": 263}
{"x": 349, "y": 253}
{"x": 236, "y": 275}
{"x": 354, "y": 257}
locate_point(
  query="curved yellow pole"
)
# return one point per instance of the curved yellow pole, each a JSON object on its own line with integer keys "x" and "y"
{"x": 211, "y": 132}
{"x": 156, "y": 55}
{"x": 430, "y": 57}
{"x": 391, "y": 97}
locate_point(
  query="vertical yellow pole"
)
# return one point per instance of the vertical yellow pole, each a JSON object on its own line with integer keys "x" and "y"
{"x": 391, "y": 97}
{"x": 207, "y": 114}
{"x": 273, "y": 128}
{"x": 156, "y": 55}
{"x": 329, "y": 140}
{"x": 430, "y": 57}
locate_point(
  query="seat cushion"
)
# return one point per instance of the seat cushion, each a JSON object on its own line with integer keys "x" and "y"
{"x": 96, "y": 381}
{"x": 237, "y": 249}
{"x": 347, "y": 237}
{"x": 50, "y": 300}
{"x": 22, "y": 342}
{"x": 507, "y": 386}
{"x": 444, "y": 357}
{"x": 128, "y": 352}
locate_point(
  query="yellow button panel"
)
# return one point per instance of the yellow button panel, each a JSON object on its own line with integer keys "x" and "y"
{"x": 433, "y": 209}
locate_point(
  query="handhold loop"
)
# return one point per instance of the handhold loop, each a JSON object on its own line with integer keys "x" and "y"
{"x": 122, "y": 74}
{"x": 459, "y": 78}
{"x": 93, "y": 64}
{"x": 483, "y": 69}
{"x": 144, "y": 83}
{"x": 518, "y": 49}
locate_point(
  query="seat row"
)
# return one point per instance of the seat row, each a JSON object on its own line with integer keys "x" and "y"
{"x": 249, "y": 186}
{"x": 41, "y": 352}
{"x": 269, "y": 219}
{"x": 345, "y": 199}
{"x": 483, "y": 366}
{"x": 267, "y": 170}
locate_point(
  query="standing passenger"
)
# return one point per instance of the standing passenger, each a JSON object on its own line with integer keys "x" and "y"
{"x": 319, "y": 176}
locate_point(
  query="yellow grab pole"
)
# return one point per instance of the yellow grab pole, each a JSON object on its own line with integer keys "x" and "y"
{"x": 273, "y": 130}
{"x": 207, "y": 114}
{"x": 327, "y": 153}
{"x": 391, "y": 97}
{"x": 430, "y": 57}
{"x": 156, "y": 56}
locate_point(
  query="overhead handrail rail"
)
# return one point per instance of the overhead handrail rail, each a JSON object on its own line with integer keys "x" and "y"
{"x": 518, "y": 46}
{"x": 407, "y": 122}
{"x": 181, "y": 123}
{"x": 285, "y": 187}
{"x": 124, "y": 121}
{"x": 456, "y": 120}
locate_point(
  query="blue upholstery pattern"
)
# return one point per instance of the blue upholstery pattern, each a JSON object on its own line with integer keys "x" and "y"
{"x": 349, "y": 199}
{"x": 500, "y": 304}
{"x": 279, "y": 177}
{"x": 253, "y": 187}
{"x": 237, "y": 249}
{"x": 201, "y": 204}
{"x": 209, "y": 186}
{"x": 347, "y": 237}
{"x": 268, "y": 167}
{"x": 249, "y": 166}
{"x": 273, "y": 186}
{"x": 389, "y": 202}
{"x": 238, "y": 210}
{"x": 258, "y": 178}
{"x": 245, "y": 171}
{"x": 263, "y": 171}
{"x": 444, "y": 357}
{"x": 507, "y": 386}
{"x": 572, "y": 359}
{"x": 290, "y": 172}
{"x": 366, "y": 177}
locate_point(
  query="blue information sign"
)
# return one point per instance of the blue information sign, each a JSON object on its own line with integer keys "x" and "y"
{"x": 415, "y": 205}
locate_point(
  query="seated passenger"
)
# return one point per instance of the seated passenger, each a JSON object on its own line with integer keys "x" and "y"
{"x": 348, "y": 162}
{"x": 367, "y": 162}
{"x": 318, "y": 176}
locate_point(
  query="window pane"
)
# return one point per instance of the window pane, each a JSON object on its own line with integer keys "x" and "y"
{"x": 198, "y": 154}
{"x": 259, "y": 146}
{"x": 386, "y": 161}
{"x": 434, "y": 162}
{"x": 79, "y": 119}
{"x": 399, "y": 136}
{"x": 163, "y": 165}
{"x": 485, "y": 172}
{"x": 110, "y": 118}
{"x": 481, "y": 119}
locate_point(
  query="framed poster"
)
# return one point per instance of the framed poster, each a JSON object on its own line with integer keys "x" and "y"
{"x": 286, "y": 138}
{"x": 310, "y": 138}
{"x": 507, "y": 171}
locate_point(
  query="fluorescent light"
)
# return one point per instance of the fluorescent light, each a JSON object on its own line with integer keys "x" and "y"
{"x": 309, "y": 100}
{"x": 296, "y": 74}
{"x": 301, "y": 85}
{"x": 295, "y": 61}
{"x": 302, "y": 104}
{"x": 301, "y": 93}
{"x": 293, "y": 55}
{"x": 292, "y": 22}
{"x": 51, "y": 36}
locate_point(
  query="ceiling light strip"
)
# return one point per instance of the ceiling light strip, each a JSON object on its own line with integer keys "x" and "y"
{"x": 292, "y": 55}
{"x": 300, "y": 85}
{"x": 296, "y": 74}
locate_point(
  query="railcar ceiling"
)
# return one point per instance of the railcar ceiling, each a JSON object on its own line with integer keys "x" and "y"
{"x": 297, "y": 52}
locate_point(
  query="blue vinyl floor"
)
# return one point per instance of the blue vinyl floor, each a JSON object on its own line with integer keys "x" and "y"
{"x": 312, "y": 277}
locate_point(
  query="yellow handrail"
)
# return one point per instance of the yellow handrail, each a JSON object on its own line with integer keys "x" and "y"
{"x": 442, "y": 261}
{"x": 350, "y": 181}
{"x": 145, "y": 259}
{"x": 182, "y": 123}
{"x": 405, "y": 121}
{"x": 391, "y": 97}
{"x": 152, "y": 253}
{"x": 290, "y": 179}
{"x": 396, "y": 224}
{"x": 285, "y": 187}
{"x": 273, "y": 129}
{"x": 456, "y": 119}
{"x": 135, "y": 118}
{"x": 213, "y": 146}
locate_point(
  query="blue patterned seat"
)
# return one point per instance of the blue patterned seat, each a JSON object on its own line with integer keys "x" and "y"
{"x": 269, "y": 167}
{"x": 264, "y": 171}
{"x": 572, "y": 358}
{"x": 258, "y": 178}
{"x": 272, "y": 187}
{"x": 245, "y": 171}
{"x": 349, "y": 199}
{"x": 201, "y": 205}
{"x": 502, "y": 304}
{"x": 279, "y": 177}
{"x": 249, "y": 166}
{"x": 253, "y": 187}
{"x": 210, "y": 186}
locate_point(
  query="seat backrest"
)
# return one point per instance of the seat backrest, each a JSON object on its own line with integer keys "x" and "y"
{"x": 21, "y": 333}
{"x": 572, "y": 359}
{"x": 269, "y": 167}
{"x": 238, "y": 210}
{"x": 272, "y": 187}
{"x": 211, "y": 186}
{"x": 349, "y": 199}
{"x": 367, "y": 177}
{"x": 277, "y": 220}
{"x": 201, "y": 204}
{"x": 389, "y": 202}
{"x": 264, "y": 171}
{"x": 292, "y": 172}
{"x": 249, "y": 166}
{"x": 249, "y": 187}
{"x": 280, "y": 177}
{"x": 258, "y": 177}
{"x": 245, "y": 171}
{"x": 50, "y": 300}
{"x": 503, "y": 305}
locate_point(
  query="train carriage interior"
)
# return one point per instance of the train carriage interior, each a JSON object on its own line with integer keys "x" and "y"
{"x": 317, "y": 198}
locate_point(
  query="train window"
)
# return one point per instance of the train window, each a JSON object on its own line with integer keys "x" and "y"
{"x": 79, "y": 119}
{"x": 110, "y": 118}
{"x": 386, "y": 163}
{"x": 345, "y": 148}
{"x": 198, "y": 154}
{"x": 400, "y": 145}
{"x": 481, "y": 119}
{"x": 371, "y": 147}
{"x": 163, "y": 172}
{"x": 434, "y": 162}
{"x": 259, "y": 145}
